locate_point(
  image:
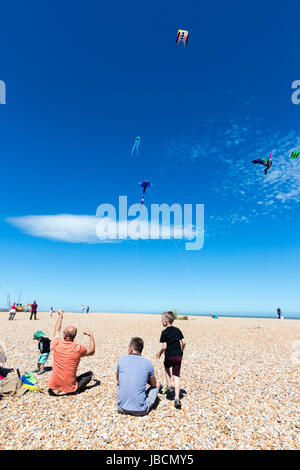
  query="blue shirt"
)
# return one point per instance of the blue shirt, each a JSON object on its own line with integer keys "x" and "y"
{"x": 134, "y": 372}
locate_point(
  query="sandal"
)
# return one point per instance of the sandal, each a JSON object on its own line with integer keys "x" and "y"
{"x": 177, "y": 404}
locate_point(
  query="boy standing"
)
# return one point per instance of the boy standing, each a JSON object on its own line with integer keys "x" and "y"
{"x": 173, "y": 345}
{"x": 44, "y": 347}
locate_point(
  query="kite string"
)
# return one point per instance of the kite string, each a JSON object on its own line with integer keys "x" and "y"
{"x": 136, "y": 275}
{"x": 181, "y": 256}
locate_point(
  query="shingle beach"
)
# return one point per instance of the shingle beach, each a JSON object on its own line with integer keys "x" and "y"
{"x": 240, "y": 377}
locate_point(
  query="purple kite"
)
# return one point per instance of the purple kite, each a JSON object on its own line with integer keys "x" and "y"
{"x": 265, "y": 162}
{"x": 145, "y": 184}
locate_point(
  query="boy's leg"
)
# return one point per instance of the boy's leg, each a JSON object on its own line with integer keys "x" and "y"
{"x": 168, "y": 376}
{"x": 176, "y": 374}
{"x": 41, "y": 362}
{"x": 177, "y": 387}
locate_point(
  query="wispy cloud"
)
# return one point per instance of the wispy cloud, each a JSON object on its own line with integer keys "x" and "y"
{"x": 88, "y": 229}
{"x": 62, "y": 227}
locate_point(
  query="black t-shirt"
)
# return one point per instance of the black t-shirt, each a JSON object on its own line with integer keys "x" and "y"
{"x": 172, "y": 336}
{"x": 44, "y": 345}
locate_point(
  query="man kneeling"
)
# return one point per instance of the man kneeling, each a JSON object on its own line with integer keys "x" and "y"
{"x": 134, "y": 372}
{"x": 66, "y": 358}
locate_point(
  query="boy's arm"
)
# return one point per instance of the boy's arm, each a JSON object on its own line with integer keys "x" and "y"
{"x": 183, "y": 344}
{"x": 58, "y": 323}
{"x": 162, "y": 350}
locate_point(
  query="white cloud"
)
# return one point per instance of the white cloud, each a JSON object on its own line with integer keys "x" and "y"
{"x": 62, "y": 227}
{"x": 86, "y": 229}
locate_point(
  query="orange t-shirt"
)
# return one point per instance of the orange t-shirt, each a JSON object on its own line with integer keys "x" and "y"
{"x": 66, "y": 357}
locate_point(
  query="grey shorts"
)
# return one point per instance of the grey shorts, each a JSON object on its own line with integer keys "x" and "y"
{"x": 151, "y": 395}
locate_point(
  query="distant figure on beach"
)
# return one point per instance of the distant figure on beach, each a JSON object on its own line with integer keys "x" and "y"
{"x": 51, "y": 311}
{"x": 82, "y": 308}
{"x": 134, "y": 372}
{"x": 173, "y": 345}
{"x": 279, "y": 313}
{"x": 66, "y": 358}
{"x": 87, "y": 309}
{"x": 12, "y": 311}
{"x": 34, "y": 307}
{"x": 44, "y": 348}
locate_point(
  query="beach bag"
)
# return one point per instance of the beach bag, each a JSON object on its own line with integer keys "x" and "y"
{"x": 12, "y": 386}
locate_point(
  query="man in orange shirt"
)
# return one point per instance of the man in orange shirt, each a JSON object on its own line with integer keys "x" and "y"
{"x": 66, "y": 358}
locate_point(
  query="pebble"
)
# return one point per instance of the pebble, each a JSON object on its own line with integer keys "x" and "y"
{"x": 242, "y": 387}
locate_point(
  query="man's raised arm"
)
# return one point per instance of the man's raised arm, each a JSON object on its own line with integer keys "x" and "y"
{"x": 91, "y": 348}
{"x": 58, "y": 323}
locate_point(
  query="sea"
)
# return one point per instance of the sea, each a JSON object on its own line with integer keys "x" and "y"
{"x": 288, "y": 316}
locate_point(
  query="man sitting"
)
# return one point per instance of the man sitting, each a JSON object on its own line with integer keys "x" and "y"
{"x": 66, "y": 358}
{"x": 133, "y": 374}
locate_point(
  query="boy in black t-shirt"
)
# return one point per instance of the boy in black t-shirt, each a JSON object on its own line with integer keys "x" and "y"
{"x": 44, "y": 348}
{"x": 173, "y": 345}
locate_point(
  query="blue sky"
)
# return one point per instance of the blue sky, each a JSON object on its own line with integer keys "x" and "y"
{"x": 83, "y": 80}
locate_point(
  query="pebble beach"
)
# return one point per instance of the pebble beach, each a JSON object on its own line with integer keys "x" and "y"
{"x": 239, "y": 376}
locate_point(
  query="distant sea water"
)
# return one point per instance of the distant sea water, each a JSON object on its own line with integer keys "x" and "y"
{"x": 291, "y": 316}
{"x": 288, "y": 316}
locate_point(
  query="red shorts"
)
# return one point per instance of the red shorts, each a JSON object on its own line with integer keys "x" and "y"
{"x": 175, "y": 363}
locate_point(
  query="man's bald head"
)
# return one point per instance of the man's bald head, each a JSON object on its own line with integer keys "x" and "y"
{"x": 69, "y": 333}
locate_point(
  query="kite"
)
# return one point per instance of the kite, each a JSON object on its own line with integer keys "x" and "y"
{"x": 136, "y": 145}
{"x": 295, "y": 155}
{"x": 183, "y": 36}
{"x": 265, "y": 162}
{"x": 29, "y": 381}
{"x": 145, "y": 184}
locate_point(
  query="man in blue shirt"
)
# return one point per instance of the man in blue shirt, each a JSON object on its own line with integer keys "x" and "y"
{"x": 134, "y": 372}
